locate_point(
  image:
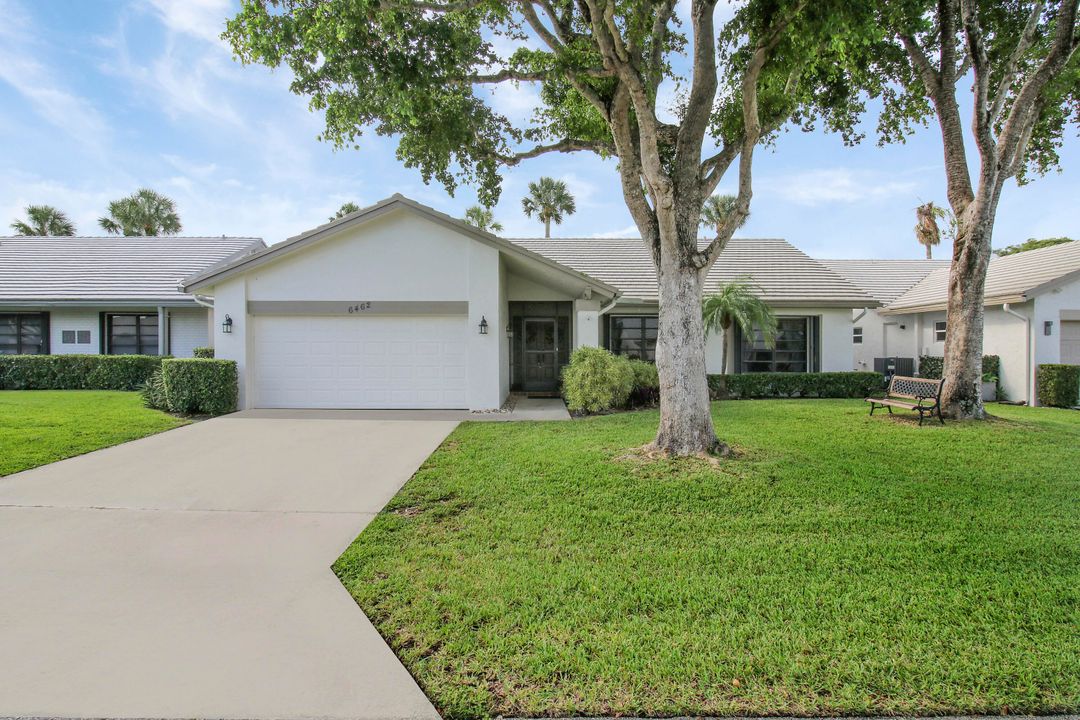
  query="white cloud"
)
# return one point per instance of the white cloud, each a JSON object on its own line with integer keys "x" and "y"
{"x": 630, "y": 231}
{"x": 38, "y": 84}
{"x": 836, "y": 185}
{"x": 203, "y": 19}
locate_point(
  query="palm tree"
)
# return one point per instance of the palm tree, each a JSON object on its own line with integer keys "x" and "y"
{"x": 345, "y": 209}
{"x": 482, "y": 218}
{"x": 144, "y": 212}
{"x": 716, "y": 211}
{"x": 927, "y": 230}
{"x": 44, "y": 220}
{"x": 735, "y": 303}
{"x": 548, "y": 199}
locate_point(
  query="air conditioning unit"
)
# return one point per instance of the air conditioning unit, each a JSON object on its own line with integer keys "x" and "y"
{"x": 889, "y": 366}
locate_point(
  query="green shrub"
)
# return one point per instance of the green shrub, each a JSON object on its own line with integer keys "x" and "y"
{"x": 596, "y": 380}
{"x": 76, "y": 372}
{"x": 200, "y": 386}
{"x": 931, "y": 366}
{"x": 646, "y": 390}
{"x": 153, "y": 392}
{"x": 785, "y": 385}
{"x": 207, "y": 353}
{"x": 1058, "y": 385}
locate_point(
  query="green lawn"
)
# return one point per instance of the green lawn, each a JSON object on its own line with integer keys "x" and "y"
{"x": 43, "y": 426}
{"x": 842, "y": 565}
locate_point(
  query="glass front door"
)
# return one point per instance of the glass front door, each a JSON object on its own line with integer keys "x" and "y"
{"x": 541, "y": 355}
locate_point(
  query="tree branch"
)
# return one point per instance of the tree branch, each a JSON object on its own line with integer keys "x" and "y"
{"x": 1008, "y": 73}
{"x": 563, "y": 146}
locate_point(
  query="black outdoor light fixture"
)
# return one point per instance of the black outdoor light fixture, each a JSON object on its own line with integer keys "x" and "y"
{"x": 509, "y": 330}
{"x": 483, "y": 325}
{"x": 226, "y": 327}
{"x": 1048, "y": 327}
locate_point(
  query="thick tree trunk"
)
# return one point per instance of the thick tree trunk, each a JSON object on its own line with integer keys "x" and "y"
{"x": 686, "y": 426}
{"x": 961, "y": 396}
{"x": 723, "y": 352}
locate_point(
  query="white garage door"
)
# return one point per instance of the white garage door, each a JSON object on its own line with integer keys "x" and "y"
{"x": 1070, "y": 342}
{"x": 360, "y": 362}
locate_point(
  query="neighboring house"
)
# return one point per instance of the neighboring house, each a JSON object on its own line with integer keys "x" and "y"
{"x": 114, "y": 295}
{"x": 1032, "y": 313}
{"x": 879, "y": 341}
{"x": 400, "y": 306}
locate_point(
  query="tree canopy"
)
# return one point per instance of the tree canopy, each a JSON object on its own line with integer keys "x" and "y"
{"x": 1031, "y": 244}
{"x": 143, "y": 213}
{"x": 550, "y": 201}
{"x": 482, "y": 218}
{"x": 44, "y": 220}
{"x": 345, "y": 209}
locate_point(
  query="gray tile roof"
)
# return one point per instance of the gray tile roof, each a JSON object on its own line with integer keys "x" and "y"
{"x": 1010, "y": 279}
{"x": 884, "y": 280}
{"x": 783, "y": 274}
{"x": 96, "y": 269}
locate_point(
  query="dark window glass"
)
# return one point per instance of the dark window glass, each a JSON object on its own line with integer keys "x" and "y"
{"x": 634, "y": 336}
{"x": 133, "y": 334}
{"x": 23, "y": 334}
{"x": 67, "y": 337}
{"x": 939, "y": 332}
{"x": 84, "y": 337}
{"x": 791, "y": 353}
{"x": 856, "y": 336}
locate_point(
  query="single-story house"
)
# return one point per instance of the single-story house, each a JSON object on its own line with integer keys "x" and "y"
{"x": 879, "y": 343}
{"x": 1032, "y": 314}
{"x": 107, "y": 295}
{"x": 400, "y": 306}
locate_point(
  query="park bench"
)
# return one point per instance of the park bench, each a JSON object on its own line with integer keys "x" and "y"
{"x": 921, "y": 395}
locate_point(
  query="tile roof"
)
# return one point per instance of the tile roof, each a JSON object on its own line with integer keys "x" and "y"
{"x": 109, "y": 268}
{"x": 783, "y": 274}
{"x": 1013, "y": 278}
{"x": 884, "y": 280}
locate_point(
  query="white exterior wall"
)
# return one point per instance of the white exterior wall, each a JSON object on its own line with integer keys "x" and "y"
{"x": 1052, "y": 306}
{"x": 230, "y": 298}
{"x": 188, "y": 329}
{"x": 586, "y": 318}
{"x": 884, "y": 336}
{"x": 74, "y": 319}
{"x": 485, "y": 351}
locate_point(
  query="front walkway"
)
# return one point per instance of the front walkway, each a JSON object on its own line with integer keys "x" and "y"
{"x": 522, "y": 408}
{"x": 188, "y": 574}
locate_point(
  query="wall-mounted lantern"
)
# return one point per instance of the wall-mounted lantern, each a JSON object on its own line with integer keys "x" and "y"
{"x": 1048, "y": 327}
{"x": 509, "y": 330}
{"x": 226, "y": 327}
{"x": 483, "y": 325}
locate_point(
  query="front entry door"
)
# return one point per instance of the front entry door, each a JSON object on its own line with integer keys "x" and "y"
{"x": 541, "y": 355}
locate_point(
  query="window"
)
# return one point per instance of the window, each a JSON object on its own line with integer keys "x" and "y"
{"x": 73, "y": 337}
{"x": 856, "y": 335}
{"x": 132, "y": 334}
{"x": 633, "y": 336}
{"x": 24, "y": 334}
{"x": 795, "y": 349}
{"x": 939, "y": 332}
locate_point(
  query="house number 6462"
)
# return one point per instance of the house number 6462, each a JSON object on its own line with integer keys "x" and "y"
{"x": 359, "y": 307}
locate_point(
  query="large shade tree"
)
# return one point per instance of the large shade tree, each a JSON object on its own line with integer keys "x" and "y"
{"x": 44, "y": 220}
{"x": 144, "y": 212}
{"x": 1017, "y": 65}
{"x": 420, "y": 71}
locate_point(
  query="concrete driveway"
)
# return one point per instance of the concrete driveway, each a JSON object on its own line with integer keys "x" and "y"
{"x": 188, "y": 574}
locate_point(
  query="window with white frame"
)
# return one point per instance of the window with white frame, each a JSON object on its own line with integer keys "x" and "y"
{"x": 856, "y": 335}
{"x": 939, "y": 331}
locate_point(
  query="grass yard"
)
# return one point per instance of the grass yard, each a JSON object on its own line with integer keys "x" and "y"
{"x": 843, "y": 565}
{"x": 43, "y": 426}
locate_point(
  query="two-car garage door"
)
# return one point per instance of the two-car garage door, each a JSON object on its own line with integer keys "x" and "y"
{"x": 360, "y": 362}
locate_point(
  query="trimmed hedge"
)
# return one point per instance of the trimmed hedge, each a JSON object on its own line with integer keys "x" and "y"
{"x": 790, "y": 385}
{"x": 76, "y": 372}
{"x": 1058, "y": 385}
{"x": 931, "y": 366}
{"x": 207, "y": 353}
{"x": 199, "y": 386}
{"x": 646, "y": 390}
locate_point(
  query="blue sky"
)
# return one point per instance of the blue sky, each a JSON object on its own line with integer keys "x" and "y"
{"x": 100, "y": 98}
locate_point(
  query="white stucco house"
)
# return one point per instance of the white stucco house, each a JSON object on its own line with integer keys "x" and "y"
{"x": 879, "y": 342}
{"x": 1032, "y": 314}
{"x": 107, "y": 295}
{"x": 400, "y": 306}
